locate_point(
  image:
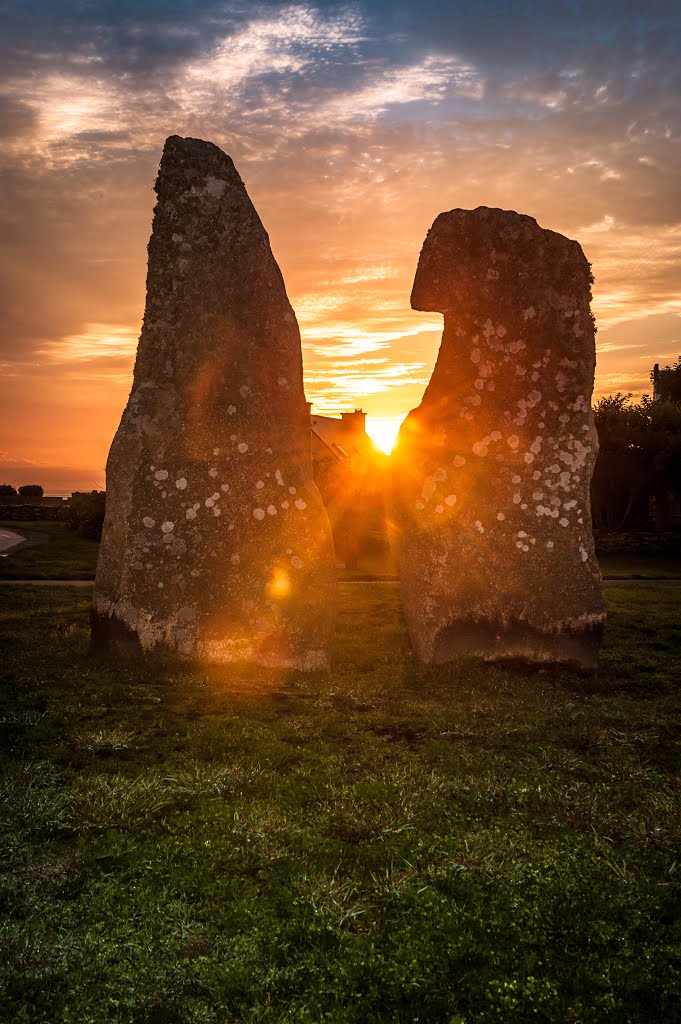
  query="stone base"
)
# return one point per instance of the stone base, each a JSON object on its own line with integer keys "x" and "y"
{"x": 108, "y": 635}
{"x": 518, "y": 642}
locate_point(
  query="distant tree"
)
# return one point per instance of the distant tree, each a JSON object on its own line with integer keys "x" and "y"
{"x": 85, "y": 513}
{"x": 31, "y": 491}
{"x": 638, "y": 469}
{"x": 668, "y": 382}
{"x": 7, "y": 489}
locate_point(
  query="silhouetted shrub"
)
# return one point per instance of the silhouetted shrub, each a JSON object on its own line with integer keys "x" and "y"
{"x": 31, "y": 491}
{"x": 85, "y": 513}
{"x": 7, "y": 489}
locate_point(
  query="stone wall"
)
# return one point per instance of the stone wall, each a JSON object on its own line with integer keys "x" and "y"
{"x": 668, "y": 542}
{"x": 28, "y": 513}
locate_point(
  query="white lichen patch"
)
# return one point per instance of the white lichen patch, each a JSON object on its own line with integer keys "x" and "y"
{"x": 242, "y": 447}
{"x": 259, "y": 484}
{"x": 258, "y": 513}
{"x": 167, "y": 527}
{"x": 450, "y": 500}
{"x": 161, "y": 474}
{"x": 190, "y": 513}
{"x": 231, "y": 409}
{"x": 213, "y": 471}
{"x": 300, "y": 504}
{"x": 181, "y": 483}
{"x": 271, "y": 510}
{"x": 149, "y": 522}
{"x": 214, "y": 186}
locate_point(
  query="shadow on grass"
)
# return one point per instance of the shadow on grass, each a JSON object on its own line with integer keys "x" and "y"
{"x": 383, "y": 842}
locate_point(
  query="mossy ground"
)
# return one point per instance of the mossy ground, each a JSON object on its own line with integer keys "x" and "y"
{"x": 381, "y": 843}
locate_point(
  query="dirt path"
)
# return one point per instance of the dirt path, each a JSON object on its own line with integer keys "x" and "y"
{"x": 46, "y": 583}
{"x": 626, "y": 582}
{"x": 11, "y": 542}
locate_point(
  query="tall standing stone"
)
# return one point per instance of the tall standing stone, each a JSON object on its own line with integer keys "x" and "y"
{"x": 492, "y": 471}
{"x": 216, "y": 543}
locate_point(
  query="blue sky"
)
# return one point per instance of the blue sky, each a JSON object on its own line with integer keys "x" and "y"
{"x": 353, "y": 126}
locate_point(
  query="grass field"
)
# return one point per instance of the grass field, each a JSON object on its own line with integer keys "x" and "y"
{"x": 63, "y": 556}
{"x": 383, "y": 843}
{"x": 666, "y": 566}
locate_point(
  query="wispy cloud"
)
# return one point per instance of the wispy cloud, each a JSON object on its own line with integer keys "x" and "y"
{"x": 110, "y": 342}
{"x": 353, "y": 127}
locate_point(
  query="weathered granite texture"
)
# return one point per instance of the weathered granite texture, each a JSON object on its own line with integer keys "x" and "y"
{"x": 491, "y": 472}
{"x": 216, "y": 544}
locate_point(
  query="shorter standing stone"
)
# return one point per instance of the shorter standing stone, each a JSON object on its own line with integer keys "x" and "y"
{"x": 492, "y": 471}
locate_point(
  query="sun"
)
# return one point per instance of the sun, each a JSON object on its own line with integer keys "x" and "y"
{"x": 383, "y": 431}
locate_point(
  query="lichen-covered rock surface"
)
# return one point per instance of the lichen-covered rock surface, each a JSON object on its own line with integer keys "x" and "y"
{"x": 216, "y": 544}
{"x": 491, "y": 472}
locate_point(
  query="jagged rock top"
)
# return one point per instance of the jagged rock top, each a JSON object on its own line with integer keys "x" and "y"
{"x": 492, "y": 254}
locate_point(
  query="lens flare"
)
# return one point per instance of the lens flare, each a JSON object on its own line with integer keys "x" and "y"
{"x": 279, "y": 586}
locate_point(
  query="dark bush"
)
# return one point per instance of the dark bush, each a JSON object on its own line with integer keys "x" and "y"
{"x": 85, "y": 513}
{"x": 31, "y": 491}
{"x": 637, "y": 476}
{"x": 7, "y": 489}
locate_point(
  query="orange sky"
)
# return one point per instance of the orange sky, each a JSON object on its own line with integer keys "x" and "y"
{"x": 352, "y": 130}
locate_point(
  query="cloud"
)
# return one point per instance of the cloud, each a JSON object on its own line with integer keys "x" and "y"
{"x": 111, "y": 343}
{"x": 353, "y": 126}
